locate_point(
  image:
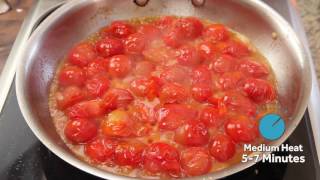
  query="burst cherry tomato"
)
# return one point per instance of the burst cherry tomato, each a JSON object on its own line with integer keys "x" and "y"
{"x": 117, "y": 98}
{"x": 207, "y": 51}
{"x": 195, "y": 161}
{"x": 97, "y": 85}
{"x": 216, "y": 32}
{"x": 224, "y": 63}
{"x": 201, "y": 75}
{"x": 119, "y": 66}
{"x": 145, "y": 87}
{"x": 109, "y": 47}
{"x": 236, "y": 49}
{"x": 230, "y": 80}
{"x": 190, "y": 27}
{"x": 142, "y": 113}
{"x": 86, "y": 109}
{"x": 101, "y": 149}
{"x": 82, "y": 54}
{"x": 242, "y": 129}
{"x": 222, "y": 148}
{"x": 187, "y": 55}
{"x": 69, "y": 96}
{"x": 211, "y": 117}
{"x": 118, "y": 124}
{"x": 135, "y": 43}
{"x": 234, "y": 101}
{"x": 173, "y": 38}
{"x": 253, "y": 69}
{"x": 151, "y": 32}
{"x": 80, "y": 130}
{"x": 193, "y": 133}
{"x": 173, "y": 93}
{"x": 121, "y": 29}
{"x": 97, "y": 66}
{"x": 129, "y": 153}
{"x": 163, "y": 23}
{"x": 172, "y": 116}
{"x": 201, "y": 92}
{"x": 260, "y": 91}
{"x": 161, "y": 157}
{"x": 175, "y": 74}
{"x": 72, "y": 75}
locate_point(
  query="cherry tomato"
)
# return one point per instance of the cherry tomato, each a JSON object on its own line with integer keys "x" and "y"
{"x": 119, "y": 66}
{"x": 142, "y": 113}
{"x": 201, "y": 92}
{"x": 82, "y": 54}
{"x": 175, "y": 74}
{"x": 129, "y": 153}
{"x": 216, "y": 32}
{"x": 144, "y": 68}
{"x": 121, "y": 29}
{"x": 163, "y": 23}
{"x": 97, "y": 85}
{"x": 117, "y": 98}
{"x": 230, "y": 80}
{"x": 161, "y": 157}
{"x": 193, "y": 133}
{"x": 222, "y": 148}
{"x": 159, "y": 54}
{"x": 242, "y": 129}
{"x": 211, "y": 117}
{"x": 98, "y": 66}
{"x": 109, "y": 47}
{"x": 224, "y": 63}
{"x": 260, "y": 91}
{"x": 135, "y": 43}
{"x": 72, "y": 75}
{"x": 173, "y": 93}
{"x": 69, "y": 96}
{"x": 236, "y": 49}
{"x": 86, "y": 109}
{"x": 150, "y": 31}
{"x": 145, "y": 87}
{"x": 207, "y": 51}
{"x": 195, "y": 161}
{"x": 101, "y": 149}
{"x": 118, "y": 124}
{"x": 187, "y": 55}
{"x": 80, "y": 130}
{"x": 201, "y": 75}
{"x": 253, "y": 69}
{"x": 236, "y": 102}
{"x": 172, "y": 116}
{"x": 173, "y": 38}
{"x": 190, "y": 27}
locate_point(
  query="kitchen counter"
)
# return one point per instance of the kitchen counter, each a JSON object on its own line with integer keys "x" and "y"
{"x": 10, "y": 23}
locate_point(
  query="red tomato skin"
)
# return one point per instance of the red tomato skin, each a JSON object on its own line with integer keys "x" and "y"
{"x": 201, "y": 75}
{"x": 172, "y": 116}
{"x": 175, "y": 74}
{"x": 234, "y": 101}
{"x": 109, "y": 47}
{"x": 173, "y": 93}
{"x": 207, "y": 51}
{"x": 236, "y": 49}
{"x": 142, "y": 113}
{"x": 195, "y": 161}
{"x": 190, "y": 27}
{"x": 101, "y": 149}
{"x": 260, "y": 91}
{"x": 129, "y": 153}
{"x": 97, "y": 86}
{"x": 161, "y": 157}
{"x": 135, "y": 43}
{"x": 253, "y": 69}
{"x": 225, "y": 63}
{"x": 145, "y": 87}
{"x": 173, "y": 39}
{"x": 119, "y": 66}
{"x": 82, "y": 54}
{"x": 222, "y": 148}
{"x": 242, "y": 129}
{"x": 97, "y": 66}
{"x": 72, "y": 75}
{"x": 163, "y": 23}
{"x": 117, "y": 98}
{"x": 69, "y": 96}
{"x": 80, "y": 130}
{"x": 230, "y": 80}
{"x": 216, "y": 32}
{"x": 121, "y": 29}
{"x": 201, "y": 92}
{"x": 117, "y": 124}
{"x": 150, "y": 31}
{"x": 211, "y": 117}
{"x": 86, "y": 109}
{"x": 194, "y": 133}
{"x": 187, "y": 56}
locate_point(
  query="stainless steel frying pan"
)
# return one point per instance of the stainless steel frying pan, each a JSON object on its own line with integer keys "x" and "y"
{"x": 77, "y": 19}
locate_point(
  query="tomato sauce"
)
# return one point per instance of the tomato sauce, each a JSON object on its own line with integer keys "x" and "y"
{"x": 162, "y": 97}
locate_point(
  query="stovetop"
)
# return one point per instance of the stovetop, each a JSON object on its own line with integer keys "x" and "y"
{"x": 23, "y": 157}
